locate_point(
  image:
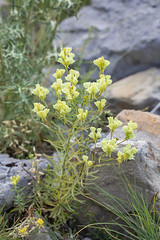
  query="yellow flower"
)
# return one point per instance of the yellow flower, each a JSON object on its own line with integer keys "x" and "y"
{"x": 88, "y": 163}
{"x": 128, "y": 130}
{"x": 101, "y": 63}
{"x": 15, "y": 179}
{"x": 65, "y": 52}
{"x": 43, "y": 114}
{"x": 23, "y": 231}
{"x": 104, "y": 82}
{"x": 40, "y": 110}
{"x": 113, "y": 124}
{"x": 121, "y": 157}
{"x": 57, "y": 86}
{"x": 41, "y": 92}
{"x": 62, "y": 107}
{"x": 91, "y": 88}
{"x": 85, "y": 158}
{"x": 100, "y": 104}
{"x": 72, "y": 77}
{"x": 59, "y": 73}
{"x": 38, "y": 107}
{"x": 40, "y": 222}
{"x": 70, "y": 91}
{"x": 93, "y": 133}
{"x": 109, "y": 146}
{"x": 66, "y": 57}
{"x": 82, "y": 114}
{"x": 129, "y": 152}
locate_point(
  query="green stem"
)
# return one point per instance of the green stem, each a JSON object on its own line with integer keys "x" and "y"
{"x": 95, "y": 152}
{"x": 2, "y": 64}
{"x": 121, "y": 141}
{"x": 27, "y": 22}
{"x": 111, "y": 134}
{"x": 67, "y": 150}
{"x": 13, "y": 4}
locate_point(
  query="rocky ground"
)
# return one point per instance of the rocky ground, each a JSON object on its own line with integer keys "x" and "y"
{"x": 127, "y": 34}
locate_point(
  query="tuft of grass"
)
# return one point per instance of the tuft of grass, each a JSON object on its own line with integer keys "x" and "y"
{"x": 135, "y": 217}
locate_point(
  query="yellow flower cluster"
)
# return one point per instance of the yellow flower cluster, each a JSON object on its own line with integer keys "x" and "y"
{"x": 104, "y": 82}
{"x": 22, "y": 231}
{"x": 128, "y": 130}
{"x": 82, "y": 114}
{"x": 121, "y": 157}
{"x": 41, "y": 92}
{"x": 127, "y": 153}
{"x": 15, "y": 180}
{"x": 100, "y": 104}
{"x": 62, "y": 107}
{"x": 99, "y": 86}
{"x": 72, "y": 77}
{"x": 40, "y": 110}
{"x": 91, "y": 88}
{"x": 66, "y": 57}
{"x": 70, "y": 91}
{"x": 95, "y": 135}
{"x": 57, "y": 86}
{"x": 59, "y": 73}
{"x": 40, "y": 222}
{"x": 109, "y": 146}
{"x": 113, "y": 124}
{"x": 69, "y": 88}
{"x": 89, "y": 163}
{"x": 26, "y": 230}
{"x": 101, "y": 63}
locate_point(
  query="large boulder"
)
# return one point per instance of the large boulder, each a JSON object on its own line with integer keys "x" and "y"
{"x": 143, "y": 172}
{"x": 125, "y": 32}
{"x": 138, "y": 91}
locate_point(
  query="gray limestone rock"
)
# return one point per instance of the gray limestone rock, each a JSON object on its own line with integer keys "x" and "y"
{"x": 138, "y": 91}
{"x": 143, "y": 173}
{"x": 124, "y": 32}
{"x": 10, "y": 167}
{"x": 42, "y": 233}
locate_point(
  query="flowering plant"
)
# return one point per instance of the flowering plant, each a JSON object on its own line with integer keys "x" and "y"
{"x": 27, "y": 228}
{"x": 73, "y": 116}
{"x": 19, "y": 201}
